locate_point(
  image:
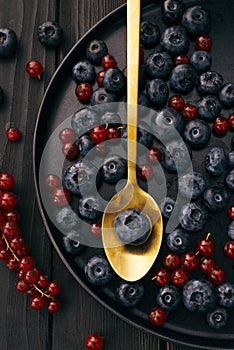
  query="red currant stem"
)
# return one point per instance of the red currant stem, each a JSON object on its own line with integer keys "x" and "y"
{"x": 106, "y": 126}
{"x": 153, "y": 278}
{"x": 208, "y": 235}
{"x": 120, "y": 127}
{"x": 39, "y": 77}
{"x": 9, "y": 248}
{"x": 42, "y": 293}
{"x": 197, "y": 252}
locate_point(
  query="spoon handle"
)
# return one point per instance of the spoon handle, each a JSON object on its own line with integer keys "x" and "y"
{"x": 133, "y": 43}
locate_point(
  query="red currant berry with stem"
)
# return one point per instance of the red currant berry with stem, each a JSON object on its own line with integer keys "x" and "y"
{"x": 99, "y": 133}
{"x": 22, "y": 286}
{"x": 203, "y": 42}
{"x": 13, "y": 134}
{"x": 113, "y": 133}
{"x": 54, "y": 306}
{"x": 207, "y": 264}
{"x": 96, "y": 229}
{"x": 181, "y": 59}
{"x": 52, "y": 181}
{"x": 231, "y": 121}
{"x": 229, "y": 249}
{"x": 177, "y": 102}
{"x": 231, "y": 213}
{"x": 32, "y": 290}
{"x": 70, "y": 150}
{"x": 217, "y": 275}
{"x": 7, "y": 181}
{"x": 34, "y": 69}
{"x": 189, "y": 112}
{"x": 67, "y": 135}
{"x": 23, "y": 251}
{"x": 32, "y": 275}
{"x": 53, "y": 288}
{"x": 13, "y": 264}
{"x": 206, "y": 246}
{"x": 7, "y": 200}
{"x": 108, "y": 61}
{"x": 43, "y": 281}
{"x": 145, "y": 172}
{"x": 171, "y": 261}
{"x": 84, "y": 91}
{"x": 37, "y": 302}
{"x": 162, "y": 277}
{"x": 12, "y": 215}
{"x": 10, "y": 229}
{"x": 158, "y": 316}
{"x": 221, "y": 126}
{"x": 5, "y": 254}
{"x": 21, "y": 274}
{"x": 94, "y": 341}
{"x": 26, "y": 263}
{"x": 189, "y": 261}
{"x": 154, "y": 155}
{"x": 179, "y": 276}
{"x": 100, "y": 77}
{"x": 17, "y": 243}
{"x": 61, "y": 197}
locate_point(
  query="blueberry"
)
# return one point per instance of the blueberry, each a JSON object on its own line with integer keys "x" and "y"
{"x": 209, "y": 82}
{"x": 216, "y": 161}
{"x": 230, "y": 179}
{"x": 8, "y": 42}
{"x": 226, "y": 95}
{"x": 201, "y": 60}
{"x": 50, "y": 34}
{"x": 230, "y": 230}
{"x": 176, "y": 156}
{"x": 114, "y": 168}
{"x": 167, "y": 207}
{"x": 197, "y": 133}
{"x": 129, "y": 293}
{"x": 169, "y": 297}
{"x": 85, "y": 144}
{"x": 144, "y": 137}
{"x": 89, "y": 207}
{"x": 81, "y": 177}
{"x": 158, "y": 65}
{"x": 83, "y": 120}
{"x": 83, "y": 71}
{"x": 178, "y": 240}
{"x": 196, "y": 20}
{"x": 149, "y": 34}
{"x": 1, "y": 96}
{"x": 192, "y": 185}
{"x": 157, "y": 91}
{"x": 172, "y": 11}
{"x": 95, "y": 50}
{"x": 216, "y": 198}
{"x": 101, "y": 95}
{"x": 217, "y": 318}
{"x": 183, "y": 78}
{"x": 72, "y": 244}
{"x": 226, "y": 294}
{"x": 132, "y": 226}
{"x": 174, "y": 40}
{"x": 199, "y": 295}
{"x": 193, "y": 216}
{"x": 114, "y": 80}
{"x": 209, "y": 107}
{"x": 230, "y": 159}
{"x": 167, "y": 123}
{"x": 143, "y": 99}
{"x": 98, "y": 271}
{"x": 67, "y": 219}
{"x": 110, "y": 118}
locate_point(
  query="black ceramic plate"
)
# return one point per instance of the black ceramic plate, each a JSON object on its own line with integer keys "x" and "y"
{"x": 60, "y": 103}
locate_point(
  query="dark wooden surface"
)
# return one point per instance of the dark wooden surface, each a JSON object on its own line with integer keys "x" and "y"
{"x": 20, "y": 327}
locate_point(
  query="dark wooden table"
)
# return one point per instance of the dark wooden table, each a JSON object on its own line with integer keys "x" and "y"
{"x": 21, "y": 328}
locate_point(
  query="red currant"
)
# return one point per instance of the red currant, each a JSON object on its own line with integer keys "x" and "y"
{"x": 113, "y": 133}
{"x": 13, "y": 134}
{"x": 158, "y": 316}
{"x": 217, "y": 275}
{"x": 84, "y": 91}
{"x": 96, "y": 229}
{"x": 229, "y": 249}
{"x": 94, "y": 341}
{"x": 231, "y": 213}
{"x": 206, "y": 264}
{"x": 189, "y": 112}
{"x": 179, "y": 277}
{"x": 43, "y": 281}
{"x": 181, "y": 59}
{"x": 70, "y": 150}
{"x": 12, "y": 264}
{"x": 171, "y": 261}
{"x": 203, "y": 42}
{"x": 221, "y": 126}
{"x": 34, "y": 69}
{"x": 7, "y": 181}
{"x": 26, "y": 263}
{"x": 12, "y": 215}
{"x": 67, "y": 135}
{"x": 154, "y": 155}
{"x": 23, "y": 251}
{"x": 32, "y": 275}
{"x": 54, "y": 306}
{"x": 99, "y": 133}
{"x": 61, "y": 197}
{"x": 52, "y": 181}
{"x": 162, "y": 277}
{"x": 176, "y": 102}
{"x": 100, "y": 77}
{"x": 17, "y": 243}
{"x": 7, "y": 200}
{"x": 145, "y": 172}
{"x": 101, "y": 149}
{"x": 189, "y": 261}
{"x": 5, "y": 254}
{"x": 108, "y": 61}
{"x": 10, "y": 229}
{"x": 231, "y": 121}
{"x": 22, "y": 286}
{"x": 37, "y": 302}
{"x": 53, "y": 288}
{"x": 206, "y": 246}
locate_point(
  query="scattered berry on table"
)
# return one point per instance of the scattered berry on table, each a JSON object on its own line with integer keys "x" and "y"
{"x": 217, "y": 275}
{"x": 162, "y": 276}
{"x": 229, "y": 249}
{"x": 108, "y": 61}
{"x": 129, "y": 293}
{"x": 34, "y": 69}
{"x": 70, "y": 150}
{"x": 61, "y": 197}
{"x": 203, "y": 42}
{"x": 199, "y": 295}
{"x": 96, "y": 50}
{"x": 83, "y": 71}
{"x": 50, "y": 34}
{"x": 83, "y": 91}
{"x": 8, "y": 42}
{"x": 196, "y": 19}
{"x": 158, "y": 316}
{"x": 172, "y": 11}
{"x": 217, "y": 318}
{"x": 13, "y": 134}
{"x": 94, "y": 341}
{"x": 169, "y": 297}
{"x": 98, "y": 271}
{"x": 149, "y": 34}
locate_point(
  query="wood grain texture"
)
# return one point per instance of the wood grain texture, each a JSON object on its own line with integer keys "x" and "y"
{"x": 20, "y": 327}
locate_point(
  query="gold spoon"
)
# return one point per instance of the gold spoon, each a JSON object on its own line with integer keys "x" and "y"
{"x": 132, "y": 262}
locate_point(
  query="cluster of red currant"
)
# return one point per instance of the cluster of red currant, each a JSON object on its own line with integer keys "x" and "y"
{"x": 15, "y": 251}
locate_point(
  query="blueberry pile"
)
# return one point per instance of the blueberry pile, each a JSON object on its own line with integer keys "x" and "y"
{"x": 174, "y": 133}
